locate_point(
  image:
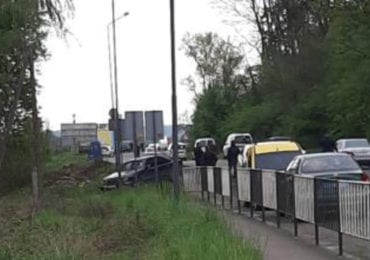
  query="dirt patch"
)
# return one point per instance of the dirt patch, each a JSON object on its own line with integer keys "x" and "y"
{"x": 76, "y": 175}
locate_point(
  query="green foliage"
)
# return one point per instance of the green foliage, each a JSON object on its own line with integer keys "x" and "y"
{"x": 314, "y": 76}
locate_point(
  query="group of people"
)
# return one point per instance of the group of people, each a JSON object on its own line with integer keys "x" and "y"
{"x": 205, "y": 155}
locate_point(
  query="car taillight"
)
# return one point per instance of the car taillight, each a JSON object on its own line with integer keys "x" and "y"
{"x": 365, "y": 177}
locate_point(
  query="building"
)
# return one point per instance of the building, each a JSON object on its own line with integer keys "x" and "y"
{"x": 73, "y": 135}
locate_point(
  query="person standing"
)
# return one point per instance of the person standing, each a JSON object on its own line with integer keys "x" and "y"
{"x": 232, "y": 158}
{"x": 327, "y": 144}
{"x": 199, "y": 155}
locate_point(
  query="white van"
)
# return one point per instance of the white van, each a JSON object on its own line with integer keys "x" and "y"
{"x": 205, "y": 141}
{"x": 240, "y": 139}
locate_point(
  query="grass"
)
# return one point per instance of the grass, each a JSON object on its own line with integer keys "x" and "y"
{"x": 80, "y": 222}
{"x": 58, "y": 160}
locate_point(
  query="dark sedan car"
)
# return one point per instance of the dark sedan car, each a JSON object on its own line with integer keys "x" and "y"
{"x": 141, "y": 169}
{"x": 327, "y": 165}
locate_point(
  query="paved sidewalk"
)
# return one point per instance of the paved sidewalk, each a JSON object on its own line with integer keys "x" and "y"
{"x": 276, "y": 244}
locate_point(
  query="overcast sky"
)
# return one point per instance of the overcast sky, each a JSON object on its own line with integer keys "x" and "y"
{"x": 76, "y": 78}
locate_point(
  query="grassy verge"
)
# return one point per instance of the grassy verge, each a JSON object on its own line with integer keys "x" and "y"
{"x": 58, "y": 160}
{"x": 80, "y": 222}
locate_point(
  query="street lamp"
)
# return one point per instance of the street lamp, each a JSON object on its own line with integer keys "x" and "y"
{"x": 116, "y": 105}
{"x": 110, "y": 56}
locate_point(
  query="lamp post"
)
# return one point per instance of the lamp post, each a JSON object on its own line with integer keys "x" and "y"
{"x": 175, "y": 169}
{"x": 116, "y": 110}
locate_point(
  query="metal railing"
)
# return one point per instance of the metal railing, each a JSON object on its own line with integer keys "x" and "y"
{"x": 340, "y": 206}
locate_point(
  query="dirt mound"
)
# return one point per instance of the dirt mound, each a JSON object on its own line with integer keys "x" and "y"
{"x": 74, "y": 174}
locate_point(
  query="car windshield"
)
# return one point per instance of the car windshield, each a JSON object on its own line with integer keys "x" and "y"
{"x": 275, "y": 161}
{"x": 129, "y": 166}
{"x": 356, "y": 143}
{"x": 242, "y": 139}
{"x": 204, "y": 143}
{"x": 329, "y": 164}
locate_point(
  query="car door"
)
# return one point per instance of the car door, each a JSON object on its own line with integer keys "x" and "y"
{"x": 148, "y": 174}
{"x": 164, "y": 167}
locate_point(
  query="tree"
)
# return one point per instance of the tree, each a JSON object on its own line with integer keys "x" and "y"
{"x": 23, "y": 28}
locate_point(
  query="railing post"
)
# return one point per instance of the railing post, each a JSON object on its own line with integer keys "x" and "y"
{"x": 231, "y": 189}
{"x": 340, "y": 235}
{"x": 214, "y": 186}
{"x": 262, "y": 204}
{"x": 277, "y": 200}
{"x": 294, "y": 209}
{"x": 251, "y": 191}
{"x": 315, "y": 211}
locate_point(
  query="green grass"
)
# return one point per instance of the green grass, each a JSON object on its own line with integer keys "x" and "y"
{"x": 58, "y": 160}
{"x": 80, "y": 222}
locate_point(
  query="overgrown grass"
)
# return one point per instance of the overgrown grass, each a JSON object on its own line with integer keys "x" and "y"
{"x": 80, "y": 222}
{"x": 142, "y": 223}
{"x": 58, "y": 160}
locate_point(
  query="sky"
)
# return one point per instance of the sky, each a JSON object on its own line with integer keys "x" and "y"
{"x": 75, "y": 79}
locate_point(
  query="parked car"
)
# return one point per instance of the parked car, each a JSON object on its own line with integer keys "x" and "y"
{"x": 240, "y": 140}
{"x": 243, "y": 156}
{"x": 272, "y": 155}
{"x": 181, "y": 151}
{"x": 205, "y": 141}
{"x": 150, "y": 149}
{"x": 359, "y": 148}
{"x": 106, "y": 150}
{"x": 127, "y": 146}
{"x": 327, "y": 165}
{"x": 141, "y": 169}
{"x": 84, "y": 147}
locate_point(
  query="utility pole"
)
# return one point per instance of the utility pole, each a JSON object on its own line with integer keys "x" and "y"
{"x": 175, "y": 170}
{"x": 117, "y": 128}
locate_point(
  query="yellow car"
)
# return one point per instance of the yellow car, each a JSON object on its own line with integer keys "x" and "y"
{"x": 272, "y": 155}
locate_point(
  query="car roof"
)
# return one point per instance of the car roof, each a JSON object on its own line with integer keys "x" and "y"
{"x": 237, "y": 134}
{"x": 204, "y": 139}
{"x": 350, "y": 139}
{"x": 317, "y": 155}
{"x": 145, "y": 157}
{"x": 276, "y": 146}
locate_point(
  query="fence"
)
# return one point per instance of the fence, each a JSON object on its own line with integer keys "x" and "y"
{"x": 340, "y": 206}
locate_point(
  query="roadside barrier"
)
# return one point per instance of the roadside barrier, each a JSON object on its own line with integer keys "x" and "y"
{"x": 340, "y": 206}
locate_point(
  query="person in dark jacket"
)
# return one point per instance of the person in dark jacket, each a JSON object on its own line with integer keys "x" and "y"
{"x": 327, "y": 144}
{"x": 210, "y": 156}
{"x": 232, "y": 158}
{"x": 199, "y": 155}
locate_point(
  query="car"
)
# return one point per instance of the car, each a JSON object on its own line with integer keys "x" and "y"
{"x": 205, "y": 141}
{"x": 106, "y": 150}
{"x": 181, "y": 151}
{"x": 127, "y": 146}
{"x": 141, "y": 169}
{"x": 84, "y": 147}
{"x": 243, "y": 156}
{"x": 359, "y": 148}
{"x": 240, "y": 140}
{"x": 274, "y": 155}
{"x": 329, "y": 165}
